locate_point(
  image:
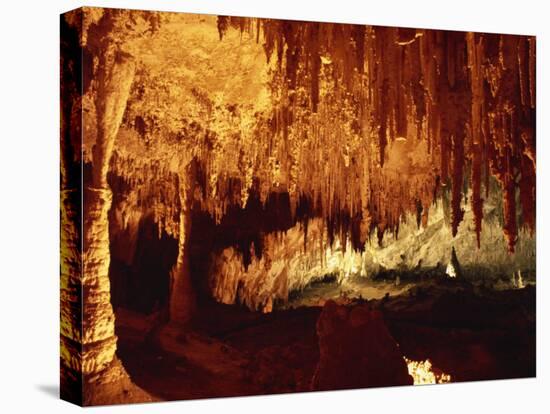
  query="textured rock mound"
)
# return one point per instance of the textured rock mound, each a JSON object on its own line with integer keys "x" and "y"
{"x": 356, "y": 350}
{"x": 113, "y": 386}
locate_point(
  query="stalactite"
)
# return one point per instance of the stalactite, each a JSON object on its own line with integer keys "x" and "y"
{"x": 510, "y": 223}
{"x": 348, "y": 102}
{"x": 114, "y": 80}
{"x": 532, "y": 76}
{"x": 475, "y": 54}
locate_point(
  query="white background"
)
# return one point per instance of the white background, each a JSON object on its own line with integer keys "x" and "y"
{"x": 29, "y": 213}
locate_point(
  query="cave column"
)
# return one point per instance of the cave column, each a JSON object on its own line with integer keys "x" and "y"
{"x": 115, "y": 76}
{"x": 182, "y": 298}
{"x": 88, "y": 322}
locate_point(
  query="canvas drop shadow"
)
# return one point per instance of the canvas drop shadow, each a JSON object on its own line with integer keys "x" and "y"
{"x": 52, "y": 390}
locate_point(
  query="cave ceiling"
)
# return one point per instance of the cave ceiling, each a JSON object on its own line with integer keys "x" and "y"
{"x": 359, "y": 125}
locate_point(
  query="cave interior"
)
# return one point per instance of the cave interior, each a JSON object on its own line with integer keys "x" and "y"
{"x": 255, "y": 206}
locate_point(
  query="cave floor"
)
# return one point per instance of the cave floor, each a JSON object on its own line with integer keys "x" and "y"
{"x": 469, "y": 332}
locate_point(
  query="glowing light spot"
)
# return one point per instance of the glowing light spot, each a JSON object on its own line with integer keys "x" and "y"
{"x": 451, "y": 272}
{"x": 423, "y": 373}
{"x": 517, "y": 280}
{"x": 326, "y": 60}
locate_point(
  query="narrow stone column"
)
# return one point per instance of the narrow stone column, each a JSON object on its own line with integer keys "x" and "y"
{"x": 114, "y": 78}
{"x": 182, "y": 298}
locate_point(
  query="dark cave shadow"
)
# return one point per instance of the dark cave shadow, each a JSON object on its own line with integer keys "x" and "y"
{"x": 51, "y": 390}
